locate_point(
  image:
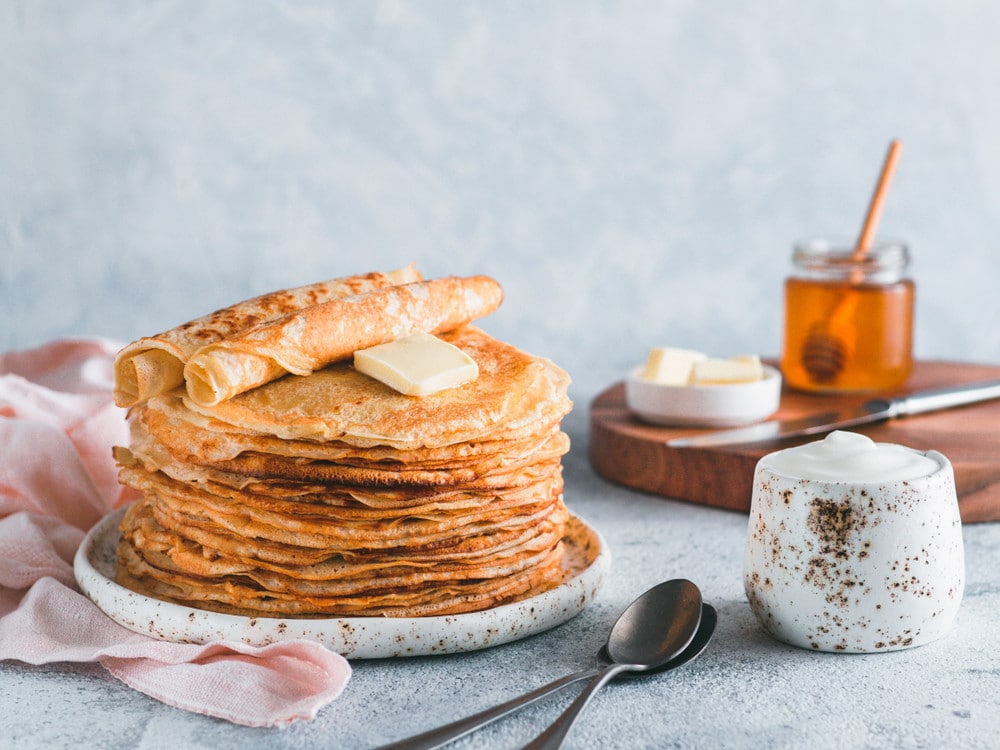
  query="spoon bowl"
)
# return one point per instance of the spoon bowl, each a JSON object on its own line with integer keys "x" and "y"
{"x": 657, "y": 626}
{"x": 703, "y": 636}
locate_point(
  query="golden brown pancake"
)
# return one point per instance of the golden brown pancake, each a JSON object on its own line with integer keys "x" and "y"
{"x": 165, "y": 426}
{"x": 513, "y": 396}
{"x": 395, "y": 582}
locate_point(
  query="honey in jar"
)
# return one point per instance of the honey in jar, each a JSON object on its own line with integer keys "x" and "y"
{"x": 848, "y": 318}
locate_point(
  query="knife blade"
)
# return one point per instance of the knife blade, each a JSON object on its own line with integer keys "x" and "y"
{"x": 874, "y": 410}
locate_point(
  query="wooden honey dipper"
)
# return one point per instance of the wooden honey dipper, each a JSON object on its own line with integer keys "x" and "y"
{"x": 828, "y": 345}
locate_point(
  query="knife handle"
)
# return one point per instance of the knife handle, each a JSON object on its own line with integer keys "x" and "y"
{"x": 945, "y": 398}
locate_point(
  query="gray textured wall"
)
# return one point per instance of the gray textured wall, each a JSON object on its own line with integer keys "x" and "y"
{"x": 634, "y": 173}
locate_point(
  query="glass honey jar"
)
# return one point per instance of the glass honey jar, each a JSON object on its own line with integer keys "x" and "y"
{"x": 848, "y": 318}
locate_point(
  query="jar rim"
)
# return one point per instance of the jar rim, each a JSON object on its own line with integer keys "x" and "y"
{"x": 838, "y": 256}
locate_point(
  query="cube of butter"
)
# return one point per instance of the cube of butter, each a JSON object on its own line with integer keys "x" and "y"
{"x": 744, "y": 368}
{"x": 671, "y": 366}
{"x": 417, "y": 365}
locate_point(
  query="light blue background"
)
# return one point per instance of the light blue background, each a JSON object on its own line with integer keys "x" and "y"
{"x": 633, "y": 173}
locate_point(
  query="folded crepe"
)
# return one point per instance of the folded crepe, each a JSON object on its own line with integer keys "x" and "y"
{"x": 307, "y": 340}
{"x": 155, "y": 364}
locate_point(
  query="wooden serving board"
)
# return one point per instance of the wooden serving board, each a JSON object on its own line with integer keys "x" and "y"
{"x": 633, "y": 453}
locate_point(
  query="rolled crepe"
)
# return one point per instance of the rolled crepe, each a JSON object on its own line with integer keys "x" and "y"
{"x": 309, "y": 339}
{"x": 155, "y": 364}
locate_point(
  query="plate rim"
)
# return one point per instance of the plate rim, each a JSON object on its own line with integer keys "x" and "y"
{"x": 352, "y": 637}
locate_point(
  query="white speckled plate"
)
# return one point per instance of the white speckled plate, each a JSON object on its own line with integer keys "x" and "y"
{"x": 586, "y": 563}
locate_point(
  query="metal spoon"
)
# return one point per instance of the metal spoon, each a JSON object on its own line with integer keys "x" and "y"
{"x": 638, "y": 642}
{"x": 685, "y": 599}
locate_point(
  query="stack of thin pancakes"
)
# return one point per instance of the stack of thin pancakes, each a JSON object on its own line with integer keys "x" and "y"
{"x": 330, "y": 494}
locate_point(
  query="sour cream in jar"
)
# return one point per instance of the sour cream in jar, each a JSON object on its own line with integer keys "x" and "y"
{"x": 854, "y": 546}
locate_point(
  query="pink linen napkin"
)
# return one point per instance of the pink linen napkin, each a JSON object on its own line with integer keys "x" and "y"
{"x": 57, "y": 479}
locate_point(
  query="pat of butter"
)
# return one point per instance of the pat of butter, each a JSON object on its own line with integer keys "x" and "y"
{"x": 744, "y": 368}
{"x": 671, "y": 366}
{"x": 417, "y": 365}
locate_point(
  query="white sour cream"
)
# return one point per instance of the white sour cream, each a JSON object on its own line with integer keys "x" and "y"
{"x": 850, "y": 457}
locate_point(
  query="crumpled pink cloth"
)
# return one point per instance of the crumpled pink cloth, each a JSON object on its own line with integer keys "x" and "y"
{"x": 57, "y": 479}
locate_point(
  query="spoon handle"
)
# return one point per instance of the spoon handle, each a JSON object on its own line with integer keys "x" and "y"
{"x": 553, "y": 737}
{"x": 437, "y": 737}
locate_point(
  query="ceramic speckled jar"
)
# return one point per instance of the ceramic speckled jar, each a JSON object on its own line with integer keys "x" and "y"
{"x": 854, "y": 566}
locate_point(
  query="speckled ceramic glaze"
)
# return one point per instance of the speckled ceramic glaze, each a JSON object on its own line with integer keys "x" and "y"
{"x": 585, "y": 563}
{"x": 855, "y": 567}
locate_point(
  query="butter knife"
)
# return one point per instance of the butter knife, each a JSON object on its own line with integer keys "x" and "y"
{"x": 875, "y": 410}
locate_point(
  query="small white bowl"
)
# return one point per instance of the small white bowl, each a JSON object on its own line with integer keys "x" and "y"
{"x": 703, "y": 405}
